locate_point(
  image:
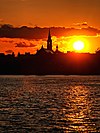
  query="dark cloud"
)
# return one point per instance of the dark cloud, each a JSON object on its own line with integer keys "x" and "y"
{"x": 23, "y": 44}
{"x": 25, "y": 32}
{"x": 8, "y": 41}
{"x": 11, "y": 41}
{"x": 6, "y": 26}
{"x": 9, "y": 51}
{"x": 32, "y": 45}
{"x": 81, "y": 24}
{"x": 84, "y": 24}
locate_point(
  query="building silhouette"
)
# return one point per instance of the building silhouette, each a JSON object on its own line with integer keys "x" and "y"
{"x": 47, "y": 50}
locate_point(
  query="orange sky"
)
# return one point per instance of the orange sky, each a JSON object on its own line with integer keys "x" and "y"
{"x": 65, "y": 44}
{"x": 50, "y": 12}
{"x": 47, "y": 13}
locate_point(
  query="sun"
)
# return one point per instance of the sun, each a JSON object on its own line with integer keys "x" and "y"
{"x": 78, "y": 45}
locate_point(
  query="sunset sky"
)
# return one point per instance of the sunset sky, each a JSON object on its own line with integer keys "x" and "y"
{"x": 49, "y": 13}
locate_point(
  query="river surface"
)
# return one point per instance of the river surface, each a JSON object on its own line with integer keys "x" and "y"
{"x": 49, "y": 104}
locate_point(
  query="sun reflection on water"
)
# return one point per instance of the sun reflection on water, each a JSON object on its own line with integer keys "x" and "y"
{"x": 79, "y": 113}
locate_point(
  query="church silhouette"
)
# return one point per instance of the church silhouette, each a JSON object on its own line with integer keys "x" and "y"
{"x": 49, "y": 49}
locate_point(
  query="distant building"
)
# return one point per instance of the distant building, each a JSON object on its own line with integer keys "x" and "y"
{"x": 49, "y": 50}
{"x": 27, "y": 54}
{"x": 57, "y": 50}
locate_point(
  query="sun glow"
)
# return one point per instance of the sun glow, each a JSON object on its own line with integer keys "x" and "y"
{"x": 78, "y": 45}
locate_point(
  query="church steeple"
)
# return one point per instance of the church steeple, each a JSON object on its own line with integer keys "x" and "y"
{"x": 49, "y": 35}
{"x": 49, "y": 42}
{"x": 57, "y": 48}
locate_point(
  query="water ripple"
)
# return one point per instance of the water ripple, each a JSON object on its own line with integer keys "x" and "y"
{"x": 49, "y": 104}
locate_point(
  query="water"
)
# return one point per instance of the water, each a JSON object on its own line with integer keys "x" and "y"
{"x": 52, "y": 104}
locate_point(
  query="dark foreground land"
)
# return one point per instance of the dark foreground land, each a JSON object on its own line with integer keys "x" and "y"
{"x": 67, "y": 64}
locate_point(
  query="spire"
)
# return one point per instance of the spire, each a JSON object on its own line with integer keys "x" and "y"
{"x": 49, "y": 41}
{"x": 49, "y": 35}
{"x": 57, "y": 48}
{"x": 42, "y": 47}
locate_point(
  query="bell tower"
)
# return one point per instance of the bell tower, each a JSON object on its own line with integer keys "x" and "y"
{"x": 49, "y": 42}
